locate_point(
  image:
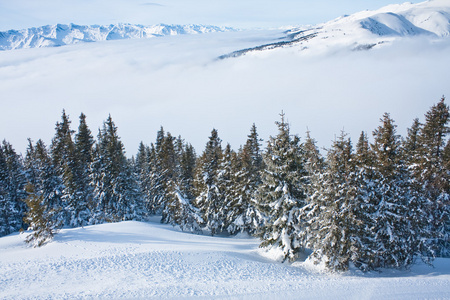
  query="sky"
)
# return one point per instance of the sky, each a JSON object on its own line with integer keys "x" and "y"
{"x": 19, "y": 14}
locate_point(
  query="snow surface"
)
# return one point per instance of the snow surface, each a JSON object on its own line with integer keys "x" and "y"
{"x": 136, "y": 260}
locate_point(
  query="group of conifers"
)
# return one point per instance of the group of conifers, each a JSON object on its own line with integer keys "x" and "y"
{"x": 380, "y": 205}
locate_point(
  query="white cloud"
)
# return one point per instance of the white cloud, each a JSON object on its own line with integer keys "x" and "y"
{"x": 176, "y": 82}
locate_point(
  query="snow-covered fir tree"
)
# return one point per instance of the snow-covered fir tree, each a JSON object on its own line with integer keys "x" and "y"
{"x": 283, "y": 191}
{"x": 333, "y": 223}
{"x": 115, "y": 187}
{"x": 363, "y": 253}
{"x": 398, "y": 217}
{"x": 243, "y": 216}
{"x": 142, "y": 170}
{"x": 12, "y": 190}
{"x": 433, "y": 174}
{"x": 66, "y": 164}
{"x": 45, "y": 190}
{"x": 40, "y": 217}
{"x": 209, "y": 199}
{"x": 84, "y": 192}
{"x": 226, "y": 184}
{"x": 179, "y": 209}
{"x": 5, "y": 202}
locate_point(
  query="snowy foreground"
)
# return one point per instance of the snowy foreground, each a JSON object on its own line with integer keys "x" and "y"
{"x": 145, "y": 260}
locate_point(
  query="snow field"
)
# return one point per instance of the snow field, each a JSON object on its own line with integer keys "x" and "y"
{"x": 135, "y": 260}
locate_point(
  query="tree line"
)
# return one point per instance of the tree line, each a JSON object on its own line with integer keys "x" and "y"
{"x": 380, "y": 204}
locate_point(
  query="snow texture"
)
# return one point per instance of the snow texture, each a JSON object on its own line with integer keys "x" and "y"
{"x": 150, "y": 260}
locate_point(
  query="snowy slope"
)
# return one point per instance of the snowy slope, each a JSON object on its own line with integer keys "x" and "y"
{"x": 367, "y": 29}
{"x": 149, "y": 260}
{"x": 60, "y": 34}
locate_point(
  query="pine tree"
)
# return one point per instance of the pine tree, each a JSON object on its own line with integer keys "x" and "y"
{"x": 115, "y": 187}
{"x": 209, "y": 199}
{"x": 283, "y": 192}
{"x": 314, "y": 161}
{"x": 84, "y": 143}
{"x": 432, "y": 174}
{"x": 226, "y": 184}
{"x": 40, "y": 218}
{"x": 179, "y": 209}
{"x": 169, "y": 167}
{"x": 155, "y": 187}
{"x": 45, "y": 207}
{"x": 364, "y": 254}
{"x": 243, "y": 215}
{"x": 334, "y": 223}
{"x": 162, "y": 172}
{"x": 5, "y": 203}
{"x": 398, "y": 218}
{"x": 12, "y": 190}
{"x": 64, "y": 159}
{"x": 143, "y": 175}
{"x": 411, "y": 145}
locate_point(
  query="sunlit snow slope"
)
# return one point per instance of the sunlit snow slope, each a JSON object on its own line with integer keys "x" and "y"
{"x": 133, "y": 260}
{"x": 368, "y": 29}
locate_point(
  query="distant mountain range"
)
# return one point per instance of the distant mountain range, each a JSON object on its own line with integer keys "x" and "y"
{"x": 360, "y": 31}
{"x": 60, "y": 34}
{"x": 367, "y": 29}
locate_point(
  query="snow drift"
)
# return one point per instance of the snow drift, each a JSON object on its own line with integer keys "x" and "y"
{"x": 150, "y": 260}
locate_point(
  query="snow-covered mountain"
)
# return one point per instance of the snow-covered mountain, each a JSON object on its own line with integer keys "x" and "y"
{"x": 367, "y": 29}
{"x": 60, "y": 34}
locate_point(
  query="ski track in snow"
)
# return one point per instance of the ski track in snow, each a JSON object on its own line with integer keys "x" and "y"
{"x": 150, "y": 260}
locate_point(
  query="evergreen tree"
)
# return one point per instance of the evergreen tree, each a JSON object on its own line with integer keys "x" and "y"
{"x": 84, "y": 193}
{"x": 364, "y": 255}
{"x": 243, "y": 215}
{"x": 179, "y": 209}
{"x": 40, "y": 218}
{"x": 334, "y": 223}
{"x": 169, "y": 167}
{"x": 432, "y": 174}
{"x": 143, "y": 174}
{"x": 12, "y": 190}
{"x": 398, "y": 229}
{"x": 65, "y": 162}
{"x": 314, "y": 161}
{"x": 44, "y": 203}
{"x": 209, "y": 199}
{"x": 115, "y": 187}
{"x": 5, "y": 203}
{"x": 411, "y": 145}
{"x": 226, "y": 184}
{"x": 162, "y": 170}
{"x": 156, "y": 185}
{"x": 283, "y": 192}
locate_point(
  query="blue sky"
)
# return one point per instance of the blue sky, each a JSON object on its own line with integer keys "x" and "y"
{"x": 20, "y": 14}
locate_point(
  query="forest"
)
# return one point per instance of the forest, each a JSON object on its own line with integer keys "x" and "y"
{"x": 381, "y": 203}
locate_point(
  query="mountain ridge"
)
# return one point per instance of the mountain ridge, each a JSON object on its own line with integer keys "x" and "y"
{"x": 365, "y": 30}
{"x": 68, "y": 34}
